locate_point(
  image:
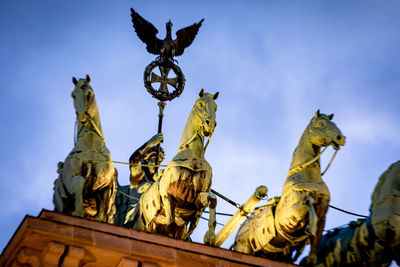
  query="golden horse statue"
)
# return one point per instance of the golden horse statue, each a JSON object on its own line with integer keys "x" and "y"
{"x": 87, "y": 181}
{"x": 179, "y": 197}
{"x": 374, "y": 241}
{"x": 298, "y": 217}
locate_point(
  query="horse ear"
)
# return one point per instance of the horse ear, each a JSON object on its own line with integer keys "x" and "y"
{"x": 201, "y": 92}
{"x": 216, "y": 95}
{"x": 330, "y": 117}
{"x": 316, "y": 114}
{"x": 74, "y": 80}
{"x": 88, "y": 78}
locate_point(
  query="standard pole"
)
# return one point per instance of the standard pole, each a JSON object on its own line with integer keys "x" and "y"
{"x": 161, "y": 105}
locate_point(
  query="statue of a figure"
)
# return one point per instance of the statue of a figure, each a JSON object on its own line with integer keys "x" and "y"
{"x": 142, "y": 176}
{"x": 287, "y": 224}
{"x": 168, "y": 47}
{"x": 87, "y": 181}
{"x": 173, "y": 204}
{"x": 374, "y": 241}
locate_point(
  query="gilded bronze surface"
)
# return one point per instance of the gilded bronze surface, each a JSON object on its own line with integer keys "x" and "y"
{"x": 374, "y": 241}
{"x": 287, "y": 224}
{"x": 174, "y": 203}
{"x": 87, "y": 181}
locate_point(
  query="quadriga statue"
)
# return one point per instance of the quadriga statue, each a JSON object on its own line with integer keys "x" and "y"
{"x": 87, "y": 181}
{"x": 374, "y": 241}
{"x": 298, "y": 217}
{"x": 173, "y": 204}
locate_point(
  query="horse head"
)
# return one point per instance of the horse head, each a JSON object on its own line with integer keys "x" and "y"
{"x": 323, "y": 132}
{"x": 205, "y": 109}
{"x": 84, "y": 101}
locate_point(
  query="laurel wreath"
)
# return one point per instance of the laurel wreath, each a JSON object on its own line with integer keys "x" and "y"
{"x": 163, "y": 96}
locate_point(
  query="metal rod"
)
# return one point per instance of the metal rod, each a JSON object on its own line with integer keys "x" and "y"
{"x": 225, "y": 198}
{"x": 161, "y": 105}
{"x": 348, "y": 212}
{"x": 220, "y": 213}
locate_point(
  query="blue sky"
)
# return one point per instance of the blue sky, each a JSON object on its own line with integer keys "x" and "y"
{"x": 274, "y": 62}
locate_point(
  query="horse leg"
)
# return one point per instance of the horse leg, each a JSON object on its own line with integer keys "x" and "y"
{"x": 314, "y": 240}
{"x": 111, "y": 208}
{"x": 103, "y": 197}
{"x": 77, "y": 184}
{"x": 138, "y": 222}
{"x": 169, "y": 209}
{"x": 205, "y": 199}
{"x": 106, "y": 209}
{"x": 311, "y": 228}
{"x": 59, "y": 195}
{"x": 209, "y": 237}
{"x": 59, "y": 192}
{"x": 290, "y": 214}
{"x": 103, "y": 176}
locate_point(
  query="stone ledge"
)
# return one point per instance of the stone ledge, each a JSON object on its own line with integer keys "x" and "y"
{"x": 53, "y": 238}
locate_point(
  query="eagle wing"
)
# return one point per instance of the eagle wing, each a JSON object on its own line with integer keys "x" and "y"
{"x": 185, "y": 37}
{"x": 147, "y": 33}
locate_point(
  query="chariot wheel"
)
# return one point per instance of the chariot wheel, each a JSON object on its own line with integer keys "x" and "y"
{"x": 157, "y": 72}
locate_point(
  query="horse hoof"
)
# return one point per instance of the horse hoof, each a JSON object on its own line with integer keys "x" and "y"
{"x": 78, "y": 213}
{"x": 311, "y": 230}
{"x": 311, "y": 260}
{"x": 209, "y": 238}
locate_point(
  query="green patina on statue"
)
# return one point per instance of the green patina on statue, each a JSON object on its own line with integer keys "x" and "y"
{"x": 87, "y": 181}
{"x": 174, "y": 203}
{"x": 374, "y": 241}
{"x": 287, "y": 224}
{"x": 142, "y": 173}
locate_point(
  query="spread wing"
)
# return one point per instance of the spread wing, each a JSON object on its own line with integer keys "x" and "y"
{"x": 147, "y": 33}
{"x": 185, "y": 37}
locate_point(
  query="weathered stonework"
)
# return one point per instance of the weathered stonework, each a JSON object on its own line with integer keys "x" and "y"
{"x": 54, "y": 239}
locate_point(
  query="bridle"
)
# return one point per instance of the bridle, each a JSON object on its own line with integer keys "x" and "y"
{"x": 192, "y": 138}
{"x": 300, "y": 167}
{"x": 196, "y": 134}
{"x": 95, "y": 129}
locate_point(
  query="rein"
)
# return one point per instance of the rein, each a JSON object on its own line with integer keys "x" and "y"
{"x": 75, "y": 132}
{"x": 95, "y": 129}
{"x": 208, "y": 141}
{"x": 192, "y": 138}
{"x": 300, "y": 167}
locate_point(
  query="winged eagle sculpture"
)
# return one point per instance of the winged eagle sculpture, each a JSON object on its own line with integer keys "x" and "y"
{"x": 167, "y": 48}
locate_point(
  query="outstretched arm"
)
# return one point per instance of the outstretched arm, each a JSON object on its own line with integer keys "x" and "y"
{"x": 136, "y": 170}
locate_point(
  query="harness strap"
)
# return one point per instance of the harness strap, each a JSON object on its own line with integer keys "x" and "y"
{"x": 75, "y": 132}
{"x": 300, "y": 167}
{"x": 95, "y": 130}
{"x": 189, "y": 140}
{"x": 330, "y": 162}
{"x": 195, "y": 134}
{"x": 208, "y": 141}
